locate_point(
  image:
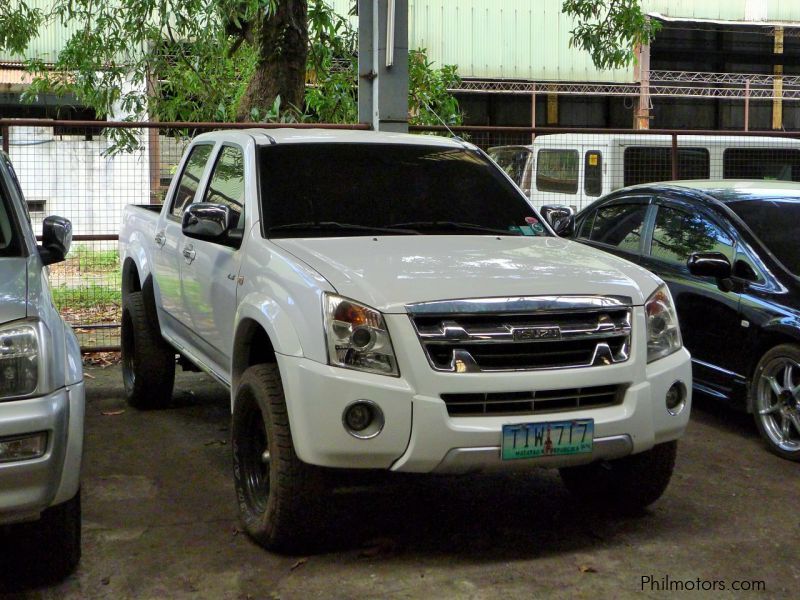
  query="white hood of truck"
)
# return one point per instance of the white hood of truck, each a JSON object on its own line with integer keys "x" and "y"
{"x": 388, "y": 272}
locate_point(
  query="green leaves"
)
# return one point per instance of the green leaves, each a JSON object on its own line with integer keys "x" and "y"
{"x": 429, "y": 99}
{"x": 610, "y": 30}
{"x": 18, "y": 24}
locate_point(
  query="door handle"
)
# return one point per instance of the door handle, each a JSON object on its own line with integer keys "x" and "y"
{"x": 189, "y": 253}
{"x": 160, "y": 238}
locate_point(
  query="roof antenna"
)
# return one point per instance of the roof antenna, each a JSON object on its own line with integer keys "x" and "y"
{"x": 458, "y": 138}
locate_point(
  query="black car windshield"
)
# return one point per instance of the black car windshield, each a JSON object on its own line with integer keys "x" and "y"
{"x": 774, "y": 221}
{"x": 343, "y": 189}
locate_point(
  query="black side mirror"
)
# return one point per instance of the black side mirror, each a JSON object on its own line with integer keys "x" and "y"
{"x": 712, "y": 264}
{"x": 560, "y": 218}
{"x": 210, "y": 222}
{"x": 56, "y": 239}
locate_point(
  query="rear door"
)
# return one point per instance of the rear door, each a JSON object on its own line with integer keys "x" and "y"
{"x": 209, "y": 271}
{"x": 709, "y": 317}
{"x": 169, "y": 240}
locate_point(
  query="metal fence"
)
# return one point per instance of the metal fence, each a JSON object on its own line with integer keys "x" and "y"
{"x": 88, "y": 172}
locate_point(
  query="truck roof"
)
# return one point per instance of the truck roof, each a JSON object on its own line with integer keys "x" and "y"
{"x": 288, "y": 135}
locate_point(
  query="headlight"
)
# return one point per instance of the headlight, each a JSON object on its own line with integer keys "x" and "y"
{"x": 357, "y": 337}
{"x": 663, "y": 332}
{"x": 19, "y": 360}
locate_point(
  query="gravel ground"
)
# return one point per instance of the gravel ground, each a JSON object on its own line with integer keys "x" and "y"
{"x": 160, "y": 521}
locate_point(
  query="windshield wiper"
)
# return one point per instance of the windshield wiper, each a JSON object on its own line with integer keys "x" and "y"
{"x": 334, "y": 226}
{"x": 452, "y": 225}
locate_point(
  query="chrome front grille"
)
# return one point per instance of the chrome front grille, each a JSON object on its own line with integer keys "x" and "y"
{"x": 522, "y": 334}
{"x": 530, "y": 403}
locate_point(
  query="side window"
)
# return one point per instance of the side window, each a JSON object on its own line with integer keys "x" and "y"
{"x": 227, "y": 182}
{"x": 593, "y": 173}
{"x": 190, "y": 178}
{"x": 677, "y": 234}
{"x": 619, "y": 225}
{"x": 557, "y": 171}
{"x": 586, "y": 226}
{"x": 761, "y": 163}
{"x": 645, "y": 164}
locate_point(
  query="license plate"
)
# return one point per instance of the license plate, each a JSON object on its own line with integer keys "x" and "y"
{"x": 556, "y": 438}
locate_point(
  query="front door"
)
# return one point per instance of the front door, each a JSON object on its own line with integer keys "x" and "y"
{"x": 709, "y": 317}
{"x": 210, "y": 271}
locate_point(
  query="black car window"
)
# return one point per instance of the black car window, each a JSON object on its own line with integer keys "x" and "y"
{"x": 619, "y": 225}
{"x": 774, "y": 221}
{"x": 646, "y": 164}
{"x": 677, "y": 234}
{"x": 227, "y": 182}
{"x": 761, "y": 163}
{"x": 593, "y": 173}
{"x": 557, "y": 171}
{"x": 190, "y": 178}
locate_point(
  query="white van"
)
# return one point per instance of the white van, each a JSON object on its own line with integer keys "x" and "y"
{"x": 574, "y": 169}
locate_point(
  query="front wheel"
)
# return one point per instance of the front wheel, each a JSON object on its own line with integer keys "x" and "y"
{"x": 279, "y": 496}
{"x": 625, "y": 485}
{"x": 775, "y": 398}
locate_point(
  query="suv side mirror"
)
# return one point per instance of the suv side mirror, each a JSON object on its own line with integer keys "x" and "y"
{"x": 560, "y": 218}
{"x": 712, "y": 264}
{"x": 210, "y": 222}
{"x": 56, "y": 239}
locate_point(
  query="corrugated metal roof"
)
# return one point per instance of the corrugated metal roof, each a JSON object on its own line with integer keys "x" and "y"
{"x": 744, "y": 11}
{"x": 13, "y": 79}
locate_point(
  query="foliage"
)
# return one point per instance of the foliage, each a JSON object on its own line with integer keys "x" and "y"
{"x": 429, "y": 101}
{"x": 18, "y": 24}
{"x": 609, "y": 30}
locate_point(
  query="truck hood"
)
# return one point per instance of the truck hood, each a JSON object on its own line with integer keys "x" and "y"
{"x": 13, "y": 289}
{"x": 388, "y": 272}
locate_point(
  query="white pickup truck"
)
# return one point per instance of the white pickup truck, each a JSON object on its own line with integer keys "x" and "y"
{"x": 386, "y": 301}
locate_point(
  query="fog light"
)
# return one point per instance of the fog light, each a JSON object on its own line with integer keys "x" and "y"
{"x": 675, "y": 398}
{"x": 23, "y": 447}
{"x": 363, "y": 419}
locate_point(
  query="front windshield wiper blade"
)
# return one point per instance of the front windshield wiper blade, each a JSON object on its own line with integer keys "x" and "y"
{"x": 333, "y": 225}
{"x": 452, "y": 225}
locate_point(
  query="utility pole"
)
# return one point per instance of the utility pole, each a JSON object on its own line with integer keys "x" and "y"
{"x": 383, "y": 64}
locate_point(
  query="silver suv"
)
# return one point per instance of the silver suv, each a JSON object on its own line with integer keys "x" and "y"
{"x": 41, "y": 390}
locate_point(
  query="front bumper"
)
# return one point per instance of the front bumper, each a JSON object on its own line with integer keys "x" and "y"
{"x": 28, "y": 487}
{"x": 420, "y": 436}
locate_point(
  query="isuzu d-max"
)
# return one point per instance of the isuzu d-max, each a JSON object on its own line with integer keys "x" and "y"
{"x": 388, "y": 301}
{"x": 41, "y": 395}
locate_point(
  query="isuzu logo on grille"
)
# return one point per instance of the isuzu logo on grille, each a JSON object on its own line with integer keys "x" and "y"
{"x": 523, "y": 334}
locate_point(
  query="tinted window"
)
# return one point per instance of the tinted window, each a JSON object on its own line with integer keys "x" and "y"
{"x": 10, "y": 242}
{"x": 677, "y": 234}
{"x": 427, "y": 189}
{"x": 761, "y": 163}
{"x": 619, "y": 225}
{"x": 227, "y": 181}
{"x": 593, "y": 173}
{"x": 774, "y": 221}
{"x": 190, "y": 179}
{"x": 557, "y": 171}
{"x": 7, "y": 246}
{"x": 644, "y": 164}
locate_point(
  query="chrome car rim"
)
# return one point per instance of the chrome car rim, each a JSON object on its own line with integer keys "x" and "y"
{"x": 778, "y": 403}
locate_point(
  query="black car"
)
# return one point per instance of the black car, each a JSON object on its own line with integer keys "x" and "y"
{"x": 730, "y": 253}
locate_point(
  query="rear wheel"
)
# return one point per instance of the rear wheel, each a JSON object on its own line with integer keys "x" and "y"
{"x": 775, "y": 391}
{"x": 148, "y": 362}
{"x": 280, "y": 497}
{"x": 626, "y": 485}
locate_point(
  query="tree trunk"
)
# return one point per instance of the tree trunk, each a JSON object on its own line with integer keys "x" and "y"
{"x": 282, "y": 40}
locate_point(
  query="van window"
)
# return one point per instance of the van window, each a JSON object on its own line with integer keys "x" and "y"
{"x": 593, "y": 173}
{"x": 557, "y": 171}
{"x": 761, "y": 163}
{"x": 645, "y": 164}
{"x": 512, "y": 161}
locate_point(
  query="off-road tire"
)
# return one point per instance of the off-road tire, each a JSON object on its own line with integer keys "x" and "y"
{"x": 280, "y": 501}
{"x": 625, "y": 485}
{"x": 148, "y": 362}
{"x": 58, "y": 538}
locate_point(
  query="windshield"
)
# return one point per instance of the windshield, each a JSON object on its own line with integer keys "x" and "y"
{"x": 327, "y": 190}
{"x": 512, "y": 161}
{"x": 774, "y": 221}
